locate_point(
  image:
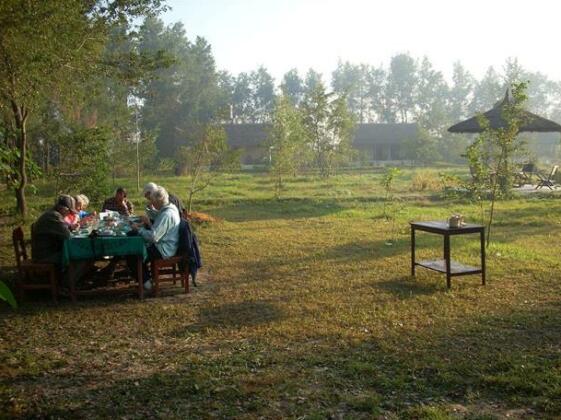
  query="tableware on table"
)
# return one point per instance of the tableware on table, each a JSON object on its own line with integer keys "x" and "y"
{"x": 80, "y": 234}
{"x": 456, "y": 221}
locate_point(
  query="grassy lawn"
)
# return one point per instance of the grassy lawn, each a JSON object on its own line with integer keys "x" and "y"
{"x": 304, "y": 310}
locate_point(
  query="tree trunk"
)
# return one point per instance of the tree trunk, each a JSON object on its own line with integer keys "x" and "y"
{"x": 137, "y": 165}
{"x": 20, "y": 115}
{"x": 190, "y": 201}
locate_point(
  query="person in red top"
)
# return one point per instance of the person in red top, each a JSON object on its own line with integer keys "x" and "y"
{"x": 72, "y": 218}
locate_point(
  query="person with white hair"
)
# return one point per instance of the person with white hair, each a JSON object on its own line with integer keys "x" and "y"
{"x": 82, "y": 203}
{"x": 162, "y": 235}
{"x": 151, "y": 212}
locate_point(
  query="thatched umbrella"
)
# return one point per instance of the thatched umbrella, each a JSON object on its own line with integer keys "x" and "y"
{"x": 531, "y": 122}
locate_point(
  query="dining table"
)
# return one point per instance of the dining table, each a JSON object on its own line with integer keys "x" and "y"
{"x": 101, "y": 238}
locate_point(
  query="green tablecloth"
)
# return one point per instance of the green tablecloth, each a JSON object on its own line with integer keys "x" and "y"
{"x": 91, "y": 249}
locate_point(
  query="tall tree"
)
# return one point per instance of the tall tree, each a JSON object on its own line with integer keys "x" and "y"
{"x": 401, "y": 84}
{"x": 376, "y": 92}
{"x": 312, "y": 80}
{"x": 461, "y": 92}
{"x": 487, "y": 91}
{"x": 242, "y": 99}
{"x": 226, "y": 85}
{"x": 186, "y": 94}
{"x": 329, "y": 128}
{"x": 263, "y": 92}
{"x": 45, "y": 47}
{"x": 430, "y": 99}
{"x": 286, "y": 141}
{"x": 513, "y": 71}
{"x": 292, "y": 87}
{"x": 351, "y": 80}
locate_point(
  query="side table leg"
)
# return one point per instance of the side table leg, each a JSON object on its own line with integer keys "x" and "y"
{"x": 140, "y": 276}
{"x": 412, "y": 251}
{"x": 447, "y": 259}
{"x": 483, "y": 257}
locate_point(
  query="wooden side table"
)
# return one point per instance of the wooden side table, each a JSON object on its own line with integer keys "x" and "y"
{"x": 449, "y": 267}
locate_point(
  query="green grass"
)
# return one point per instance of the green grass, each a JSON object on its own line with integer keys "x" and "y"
{"x": 304, "y": 311}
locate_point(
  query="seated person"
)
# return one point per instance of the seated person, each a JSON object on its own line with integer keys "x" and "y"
{"x": 82, "y": 203}
{"x": 50, "y": 231}
{"x": 147, "y": 191}
{"x": 151, "y": 212}
{"x": 119, "y": 203}
{"x": 72, "y": 219}
{"x": 162, "y": 236}
{"x": 48, "y": 234}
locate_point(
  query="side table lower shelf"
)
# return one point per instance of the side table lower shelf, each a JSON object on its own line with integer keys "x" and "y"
{"x": 456, "y": 268}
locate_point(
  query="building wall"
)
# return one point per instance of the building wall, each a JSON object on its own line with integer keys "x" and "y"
{"x": 374, "y": 142}
{"x": 379, "y": 151}
{"x": 253, "y": 155}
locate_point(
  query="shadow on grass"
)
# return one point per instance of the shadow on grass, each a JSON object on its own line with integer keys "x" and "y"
{"x": 507, "y": 361}
{"x": 407, "y": 287}
{"x": 232, "y": 316}
{"x": 274, "y": 268}
{"x": 40, "y": 302}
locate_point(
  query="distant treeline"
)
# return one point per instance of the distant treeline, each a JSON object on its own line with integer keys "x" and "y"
{"x": 409, "y": 89}
{"x": 165, "y": 86}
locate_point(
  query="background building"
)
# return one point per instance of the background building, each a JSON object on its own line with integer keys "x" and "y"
{"x": 373, "y": 142}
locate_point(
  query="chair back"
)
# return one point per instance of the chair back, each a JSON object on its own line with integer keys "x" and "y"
{"x": 19, "y": 246}
{"x": 528, "y": 168}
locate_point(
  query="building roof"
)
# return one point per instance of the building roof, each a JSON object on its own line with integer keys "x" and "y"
{"x": 530, "y": 122}
{"x": 385, "y": 133}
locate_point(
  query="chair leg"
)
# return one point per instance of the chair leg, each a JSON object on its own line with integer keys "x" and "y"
{"x": 185, "y": 279}
{"x": 156, "y": 280}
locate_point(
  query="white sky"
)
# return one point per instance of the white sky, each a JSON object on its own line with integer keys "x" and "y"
{"x": 282, "y": 34}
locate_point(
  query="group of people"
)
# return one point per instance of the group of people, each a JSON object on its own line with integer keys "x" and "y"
{"x": 159, "y": 227}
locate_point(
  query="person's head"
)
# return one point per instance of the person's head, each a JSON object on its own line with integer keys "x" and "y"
{"x": 149, "y": 189}
{"x": 64, "y": 204}
{"x": 82, "y": 202}
{"x": 159, "y": 198}
{"x": 120, "y": 194}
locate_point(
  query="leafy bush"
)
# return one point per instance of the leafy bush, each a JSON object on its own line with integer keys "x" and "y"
{"x": 83, "y": 165}
{"x": 6, "y": 295}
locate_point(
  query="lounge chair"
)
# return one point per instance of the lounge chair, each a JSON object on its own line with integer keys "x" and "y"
{"x": 547, "y": 180}
{"x": 525, "y": 175}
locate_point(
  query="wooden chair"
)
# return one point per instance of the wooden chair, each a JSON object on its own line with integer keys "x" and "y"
{"x": 28, "y": 271}
{"x": 547, "y": 180}
{"x": 167, "y": 270}
{"x": 180, "y": 262}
